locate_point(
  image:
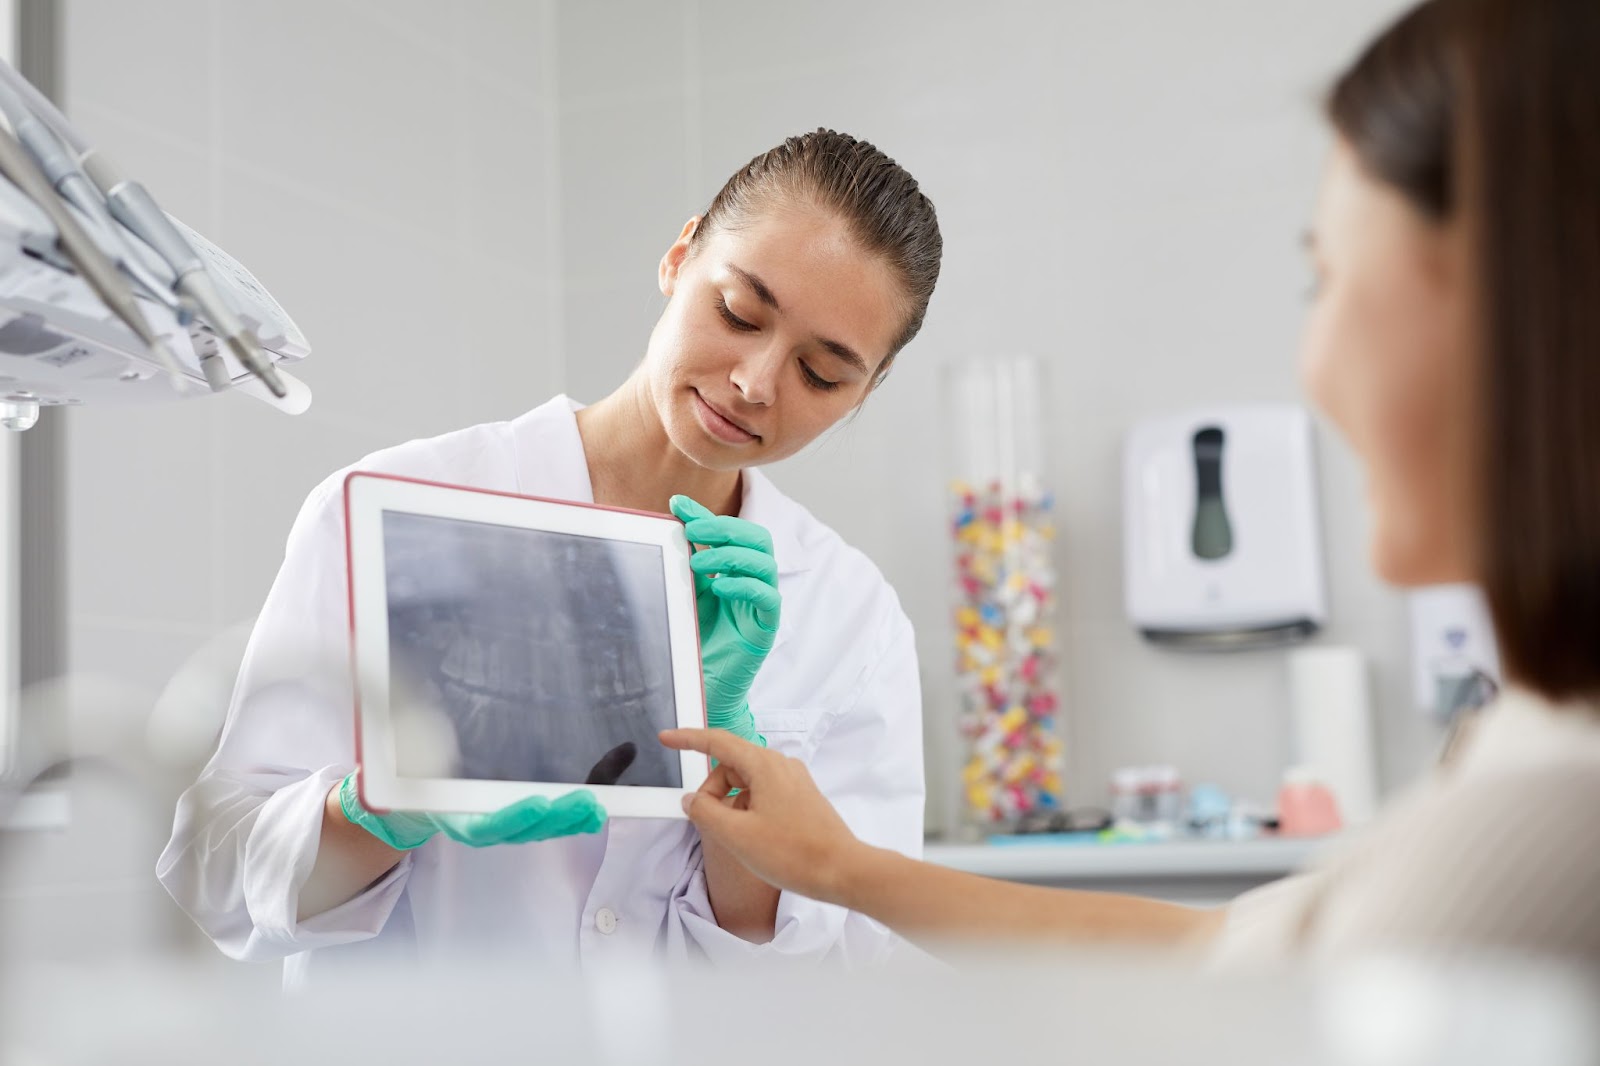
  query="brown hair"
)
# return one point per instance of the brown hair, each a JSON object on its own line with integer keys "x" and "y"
{"x": 1488, "y": 112}
{"x": 880, "y": 202}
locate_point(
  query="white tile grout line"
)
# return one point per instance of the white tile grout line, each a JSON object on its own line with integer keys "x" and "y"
{"x": 421, "y": 236}
{"x": 168, "y": 139}
{"x": 692, "y": 133}
{"x": 555, "y": 252}
{"x": 218, "y": 473}
{"x": 144, "y": 625}
{"x": 399, "y": 27}
{"x": 467, "y": 207}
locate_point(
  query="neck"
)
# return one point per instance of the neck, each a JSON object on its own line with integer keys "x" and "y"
{"x": 634, "y": 464}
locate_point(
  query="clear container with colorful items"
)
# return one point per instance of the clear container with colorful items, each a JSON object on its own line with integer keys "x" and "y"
{"x": 1003, "y": 531}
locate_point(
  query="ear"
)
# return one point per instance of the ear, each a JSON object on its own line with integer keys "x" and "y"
{"x": 672, "y": 262}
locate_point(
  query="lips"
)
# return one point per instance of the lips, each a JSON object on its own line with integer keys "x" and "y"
{"x": 719, "y": 424}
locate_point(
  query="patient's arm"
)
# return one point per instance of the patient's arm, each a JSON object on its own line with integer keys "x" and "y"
{"x": 926, "y": 902}
{"x": 783, "y": 830}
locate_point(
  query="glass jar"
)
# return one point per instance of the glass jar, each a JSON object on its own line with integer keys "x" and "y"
{"x": 1002, "y": 528}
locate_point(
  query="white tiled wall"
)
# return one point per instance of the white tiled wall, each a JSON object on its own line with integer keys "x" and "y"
{"x": 388, "y": 170}
{"x": 464, "y": 204}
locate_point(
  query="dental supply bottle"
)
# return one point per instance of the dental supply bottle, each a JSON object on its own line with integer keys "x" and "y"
{"x": 1306, "y": 807}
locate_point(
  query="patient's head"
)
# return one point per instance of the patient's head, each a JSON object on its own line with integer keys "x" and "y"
{"x": 1455, "y": 338}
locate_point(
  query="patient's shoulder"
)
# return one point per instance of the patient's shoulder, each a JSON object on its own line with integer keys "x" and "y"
{"x": 1499, "y": 861}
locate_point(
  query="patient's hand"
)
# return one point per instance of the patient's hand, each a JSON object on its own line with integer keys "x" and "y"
{"x": 780, "y": 825}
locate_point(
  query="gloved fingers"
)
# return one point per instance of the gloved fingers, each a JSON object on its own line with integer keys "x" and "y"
{"x": 745, "y": 562}
{"x": 574, "y": 813}
{"x": 509, "y": 821}
{"x": 528, "y": 819}
{"x": 406, "y": 830}
{"x": 759, "y": 596}
{"x": 703, "y": 526}
{"x": 470, "y": 829}
{"x": 739, "y": 721}
{"x": 579, "y": 802}
{"x": 720, "y": 531}
{"x": 687, "y": 509}
{"x": 571, "y": 824}
{"x": 398, "y": 829}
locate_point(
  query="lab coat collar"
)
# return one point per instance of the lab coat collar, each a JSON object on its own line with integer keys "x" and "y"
{"x": 549, "y": 453}
{"x": 764, "y": 505}
{"x": 550, "y": 463}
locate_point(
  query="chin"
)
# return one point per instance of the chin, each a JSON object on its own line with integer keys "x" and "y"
{"x": 1392, "y": 568}
{"x": 1406, "y": 562}
{"x": 684, "y": 431}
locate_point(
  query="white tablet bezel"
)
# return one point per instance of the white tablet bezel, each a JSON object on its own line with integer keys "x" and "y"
{"x": 366, "y": 497}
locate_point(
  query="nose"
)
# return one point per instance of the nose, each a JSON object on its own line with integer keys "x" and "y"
{"x": 756, "y": 376}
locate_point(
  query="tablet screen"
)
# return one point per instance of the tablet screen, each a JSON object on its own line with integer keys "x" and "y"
{"x": 544, "y": 656}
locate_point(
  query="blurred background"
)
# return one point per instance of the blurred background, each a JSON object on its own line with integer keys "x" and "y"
{"x": 463, "y": 206}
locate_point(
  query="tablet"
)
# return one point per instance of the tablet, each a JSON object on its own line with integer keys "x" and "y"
{"x": 506, "y": 646}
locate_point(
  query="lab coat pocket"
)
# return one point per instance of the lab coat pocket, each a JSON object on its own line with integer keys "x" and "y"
{"x": 786, "y": 728}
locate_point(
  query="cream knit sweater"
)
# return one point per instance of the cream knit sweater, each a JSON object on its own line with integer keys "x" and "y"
{"x": 1499, "y": 850}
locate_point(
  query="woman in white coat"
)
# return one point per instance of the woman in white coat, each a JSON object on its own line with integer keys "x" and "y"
{"x": 787, "y": 301}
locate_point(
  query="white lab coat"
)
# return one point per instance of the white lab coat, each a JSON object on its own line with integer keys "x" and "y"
{"x": 839, "y": 690}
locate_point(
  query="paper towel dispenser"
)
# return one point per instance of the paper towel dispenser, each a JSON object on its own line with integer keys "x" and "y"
{"x": 1223, "y": 547}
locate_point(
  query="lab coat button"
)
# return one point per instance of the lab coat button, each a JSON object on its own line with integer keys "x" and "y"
{"x": 605, "y": 920}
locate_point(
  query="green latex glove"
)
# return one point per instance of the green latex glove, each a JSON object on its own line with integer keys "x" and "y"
{"x": 736, "y": 591}
{"x": 534, "y": 818}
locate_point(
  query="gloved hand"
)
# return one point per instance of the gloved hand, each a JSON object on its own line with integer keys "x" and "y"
{"x": 527, "y": 820}
{"x": 736, "y": 591}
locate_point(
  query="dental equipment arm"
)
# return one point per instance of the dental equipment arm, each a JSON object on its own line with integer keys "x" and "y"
{"x": 136, "y": 209}
{"x": 59, "y": 167}
{"x": 106, "y": 298}
{"x": 92, "y": 265}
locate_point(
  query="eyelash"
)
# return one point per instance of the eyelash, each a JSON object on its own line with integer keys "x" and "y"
{"x": 817, "y": 382}
{"x": 733, "y": 320}
{"x": 813, "y": 379}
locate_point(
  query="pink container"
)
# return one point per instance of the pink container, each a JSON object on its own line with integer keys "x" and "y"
{"x": 1306, "y": 807}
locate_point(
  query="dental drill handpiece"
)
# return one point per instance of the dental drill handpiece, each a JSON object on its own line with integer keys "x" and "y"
{"x": 60, "y": 170}
{"x": 136, "y": 209}
{"x": 91, "y": 263}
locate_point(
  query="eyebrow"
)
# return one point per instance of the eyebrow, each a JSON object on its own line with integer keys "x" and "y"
{"x": 845, "y": 352}
{"x": 757, "y": 286}
{"x": 840, "y": 350}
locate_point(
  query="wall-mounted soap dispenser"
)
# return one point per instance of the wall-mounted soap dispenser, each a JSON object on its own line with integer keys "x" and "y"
{"x": 1222, "y": 544}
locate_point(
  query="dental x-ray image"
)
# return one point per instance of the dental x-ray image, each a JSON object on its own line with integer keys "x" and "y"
{"x": 546, "y": 653}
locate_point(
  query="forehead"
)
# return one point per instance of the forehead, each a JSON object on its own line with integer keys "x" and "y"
{"x": 822, "y": 277}
{"x": 1355, "y": 209}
